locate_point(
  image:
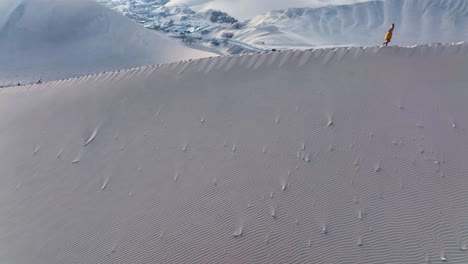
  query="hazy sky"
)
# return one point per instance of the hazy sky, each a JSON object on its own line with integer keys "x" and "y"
{"x": 244, "y": 9}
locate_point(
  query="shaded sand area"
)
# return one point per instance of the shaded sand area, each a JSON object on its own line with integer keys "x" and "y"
{"x": 55, "y": 39}
{"x": 345, "y": 155}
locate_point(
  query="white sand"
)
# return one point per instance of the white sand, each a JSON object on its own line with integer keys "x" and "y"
{"x": 323, "y": 156}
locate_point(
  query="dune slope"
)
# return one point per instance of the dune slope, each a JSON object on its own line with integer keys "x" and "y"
{"x": 343, "y": 155}
{"x": 55, "y": 39}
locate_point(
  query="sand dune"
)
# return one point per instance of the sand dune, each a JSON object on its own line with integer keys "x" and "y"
{"x": 55, "y": 39}
{"x": 345, "y": 155}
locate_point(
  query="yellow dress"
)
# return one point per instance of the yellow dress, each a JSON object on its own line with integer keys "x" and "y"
{"x": 388, "y": 36}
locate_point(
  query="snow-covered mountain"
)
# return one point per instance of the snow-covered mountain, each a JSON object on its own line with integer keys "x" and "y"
{"x": 362, "y": 24}
{"x": 346, "y": 155}
{"x": 54, "y": 39}
{"x": 246, "y": 9}
{"x": 181, "y": 22}
{"x": 358, "y": 24}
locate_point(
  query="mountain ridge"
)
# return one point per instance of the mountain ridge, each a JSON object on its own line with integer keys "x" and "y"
{"x": 357, "y": 24}
{"x": 362, "y": 24}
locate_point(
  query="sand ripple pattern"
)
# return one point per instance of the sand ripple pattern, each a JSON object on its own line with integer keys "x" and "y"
{"x": 348, "y": 155}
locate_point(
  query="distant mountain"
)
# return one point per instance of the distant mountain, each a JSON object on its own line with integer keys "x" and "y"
{"x": 361, "y": 24}
{"x": 53, "y": 39}
{"x": 246, "y": 9}
{"x": 358, "y": 24}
